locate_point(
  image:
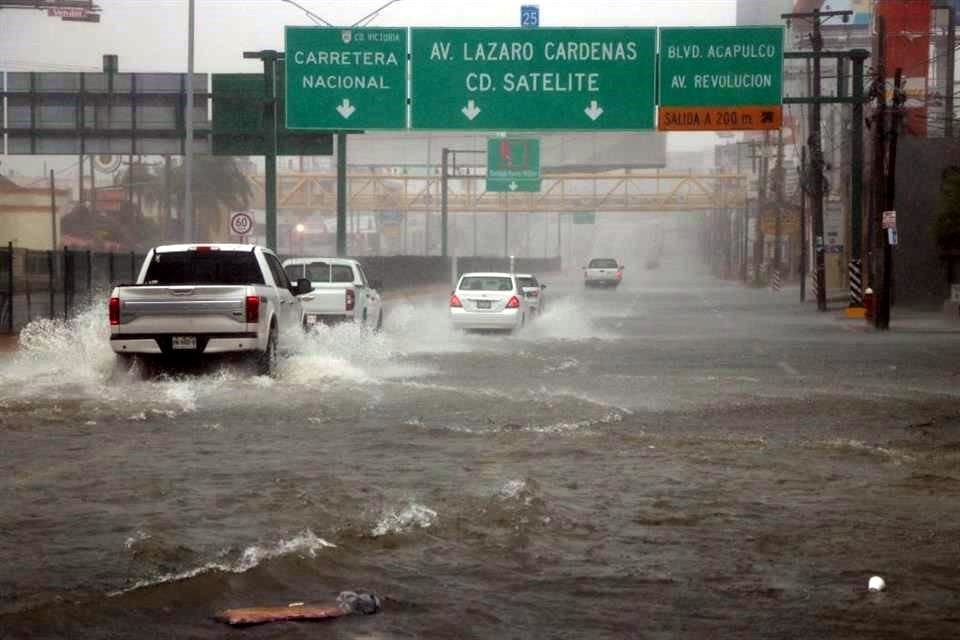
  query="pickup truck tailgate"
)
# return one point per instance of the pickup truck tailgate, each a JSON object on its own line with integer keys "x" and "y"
{"x": 326, "y": 298}
{"x": 183, "y": 309}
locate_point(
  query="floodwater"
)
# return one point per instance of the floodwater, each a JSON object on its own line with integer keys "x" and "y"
{"x": 677, "y": 458}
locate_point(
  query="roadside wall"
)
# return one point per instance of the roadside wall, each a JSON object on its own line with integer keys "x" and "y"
{"x": 59, "y": 284}
{"x": 920, "y": 273}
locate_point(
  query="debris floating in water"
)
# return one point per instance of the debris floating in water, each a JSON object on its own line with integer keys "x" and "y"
{"x": 876, "y": 584}
{"x": 347, "y": 603}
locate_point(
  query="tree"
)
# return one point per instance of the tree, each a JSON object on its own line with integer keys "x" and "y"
{"x": 218, "y": 187}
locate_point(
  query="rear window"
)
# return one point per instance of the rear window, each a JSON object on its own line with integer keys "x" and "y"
{"x": 486, "y": 283}
{"x": 294, "y": 271}
{"x": 321, "y": 272}
{"x": 204, "y": 267}
{"x": 528, "y": 282}
{"x": 342, "y": 273}
{"x": 318, "y": 272}
{"x": 603, "y": 263}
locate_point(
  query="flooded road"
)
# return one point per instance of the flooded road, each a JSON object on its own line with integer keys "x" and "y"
{"x": 677, "y": 458}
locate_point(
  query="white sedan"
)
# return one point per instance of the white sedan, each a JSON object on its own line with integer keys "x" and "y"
{"x": 489, "y": 302}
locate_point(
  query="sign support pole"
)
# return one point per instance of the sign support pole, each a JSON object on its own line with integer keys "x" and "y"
{"x": 341, "y": 194}
{"x": 444, "y": 201}
{"x": 269, "y": 58}
{"x": 856, "y": 157}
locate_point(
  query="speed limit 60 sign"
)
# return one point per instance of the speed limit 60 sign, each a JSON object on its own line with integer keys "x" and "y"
{"x": 241, "y": 223}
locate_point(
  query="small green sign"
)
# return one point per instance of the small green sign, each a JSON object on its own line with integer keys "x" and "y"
{"x": 238, "y": 119}
{"x": 533, "y": 79}
{"x": 584, "y": 217}
{"x": 513, "y": 158}
{"x": 346, "y": 78}
{"x": 721, "y": 66}
{"x": 513, "y": 185}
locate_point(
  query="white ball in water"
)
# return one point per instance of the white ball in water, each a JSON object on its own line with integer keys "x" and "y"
{"x": 876, "y": 584}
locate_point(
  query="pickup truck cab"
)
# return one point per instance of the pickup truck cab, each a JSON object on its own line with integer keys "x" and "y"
{"x": 206, "y": 299}
{"x": 340, "y": 292}
{"x": 603, "y": 272}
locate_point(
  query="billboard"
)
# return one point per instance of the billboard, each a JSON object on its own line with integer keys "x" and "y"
{"x": 907, "y": 47}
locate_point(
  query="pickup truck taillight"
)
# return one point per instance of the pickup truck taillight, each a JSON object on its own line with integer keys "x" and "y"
{"x": 253, "y": 308}
{"x": 351, "y": 300}
{"x": 114, "y": 310}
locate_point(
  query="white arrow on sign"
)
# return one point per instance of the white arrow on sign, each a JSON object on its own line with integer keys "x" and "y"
{"x": 346, "y": 109}
{"x": 594, "y": 111}
{"x": 471, "y": 110}
{"x": 513, "y": 185}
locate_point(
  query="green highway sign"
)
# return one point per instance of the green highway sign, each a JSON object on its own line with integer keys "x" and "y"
{"x": 513, "y": 185}
{"x": 346, "y": 78}
{"x": 715, "y": 78}
{"x": 513, "y": 158}
{"x": 238, "y": 120}
{"x": 532, "y": 79}
{"x": 513, "y": 164}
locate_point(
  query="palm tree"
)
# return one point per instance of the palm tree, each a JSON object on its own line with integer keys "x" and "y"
{"x": 218, "y": 188}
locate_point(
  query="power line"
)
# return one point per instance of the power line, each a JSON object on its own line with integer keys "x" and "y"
{"x": 310, "y": 14}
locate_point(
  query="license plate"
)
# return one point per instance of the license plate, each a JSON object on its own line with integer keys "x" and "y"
{"x": 184, "y": 342}
{"x": 483, "y": 304}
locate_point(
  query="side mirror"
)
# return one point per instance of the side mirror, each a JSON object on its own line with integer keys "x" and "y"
{"x": 303, "y": 286}
{"x": 543, "y": 286}
{"x": 376, "y": 284}
{"x": 622, "y": 267}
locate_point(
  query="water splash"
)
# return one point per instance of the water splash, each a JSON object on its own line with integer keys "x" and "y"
{"x": 412, "y": 516}
{"x": 565, "y": 319}
{"x": 305, "y": 543}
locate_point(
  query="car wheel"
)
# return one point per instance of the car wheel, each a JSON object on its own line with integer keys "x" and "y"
{"x": 266, "y": 360}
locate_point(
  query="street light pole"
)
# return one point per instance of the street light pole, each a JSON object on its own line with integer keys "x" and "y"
{"x": 188, "y": 145}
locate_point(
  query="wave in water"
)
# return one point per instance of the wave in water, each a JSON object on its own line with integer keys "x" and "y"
{"x": 305, "y": 543}
{"x": 412, "y": 516}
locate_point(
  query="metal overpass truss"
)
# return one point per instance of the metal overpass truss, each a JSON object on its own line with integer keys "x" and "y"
{"x": 621, "y": 192}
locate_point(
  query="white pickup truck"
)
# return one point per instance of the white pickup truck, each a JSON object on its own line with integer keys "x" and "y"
{"x": 204, "y": 299}
{"x": 341, "y": 292}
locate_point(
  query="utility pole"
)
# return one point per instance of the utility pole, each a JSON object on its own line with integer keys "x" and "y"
{"x": 886, "y": 286}
{"x": 951, "y": 52}
{"x": 858, "y": 56}
{"x": 761, "y": 163}
{"x": 878, "y": 199}
{"x": 781, "y": 178}
{"x": 803, "y": 224}
{"x": 816, "y": 158}
{"x": 816, "y": 149}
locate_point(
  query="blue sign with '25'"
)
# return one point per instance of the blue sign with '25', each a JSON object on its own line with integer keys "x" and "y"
{"x": 530, "y": 15}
